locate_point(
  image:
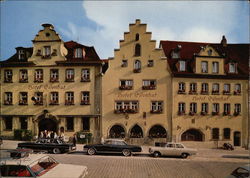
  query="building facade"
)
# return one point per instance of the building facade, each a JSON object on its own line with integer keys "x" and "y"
{"x": 136, "y": 89}
{"x": 210, "y": 92}
{"x": 54, "y": 86}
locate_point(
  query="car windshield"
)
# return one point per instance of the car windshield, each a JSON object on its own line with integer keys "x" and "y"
{"x": 179, "y": 146}
{"x": 15, "y": 171}
{"x": 119, "y": 143}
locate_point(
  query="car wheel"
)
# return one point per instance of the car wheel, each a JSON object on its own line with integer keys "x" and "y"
{"x": 157, "y": 154}
{"x": 56, "y": 151}
{"x": 126, "y": 152}
{"x": 91, "y": 151}
{"x": 184, "y": 155}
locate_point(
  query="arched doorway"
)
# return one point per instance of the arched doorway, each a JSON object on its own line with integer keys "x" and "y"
{"x": 136, "y": 132}
{"x": 117, "y": 131}
{"x": 47, "y": 123}
{"x": 192, "y": 135}
{"x": 157, "y": 131}
{"x": 237, "y": 138}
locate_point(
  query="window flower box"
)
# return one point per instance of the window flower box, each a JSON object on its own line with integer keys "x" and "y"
{"x": 23, "y": 80}
{"x": 85, "y": 103}
{"x": 237, "y": 92}
{"x": 23, "y": 102}
{"x": 156, "y": 111}
{"x": 236, "y": 113}
{"x": 191, "y": 113}
{"x": 38, "y": 103}
{"x": 204, "y": 92}
{"x": 215, "y": 113}
{"x": 226, "y": 92}
{"x": 181, "y": 113}
{"x": 69, "y": 102}
{"x": 54, "y": 79}
{"x": 203, "y": 113}
{"x": 226, "y": 113}
{"x": 181, "y": 92}
{"x": 192, "y": 92}
{"x": 85, "y": 79}
{"x": 150, "y": 87}
{"x": 38, "y": 80}
{"x": 7, "y": 102}
{"x": 124, "y": 87}
{"x": 54, "y": 102}
{"x": 8, "y": 80}
{"x": 215, "y": 92}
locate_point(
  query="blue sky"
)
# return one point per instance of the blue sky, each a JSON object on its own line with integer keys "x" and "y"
{"x": 102, "y": 24}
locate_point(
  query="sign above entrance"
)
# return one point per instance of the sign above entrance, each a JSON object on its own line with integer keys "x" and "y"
{"x": 210, "y": 98}
{"x": 136, "y": 95}
{"x": 46, "y": 87}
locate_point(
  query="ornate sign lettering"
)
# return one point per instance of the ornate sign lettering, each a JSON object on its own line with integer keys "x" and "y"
{"x": 46, "y": 87}
{"x": 136, "y": 95}
{"x": 210, "y": 98}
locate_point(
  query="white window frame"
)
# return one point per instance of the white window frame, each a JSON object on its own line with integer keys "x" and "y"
{"x": 181, "y": 107}
{"x": 227, "y": 108}
{"x": 181, "y": 86}
{"x": 23, "y": 74}
{"x": 237, "y": 108}
{"x": 204, "y": 67}
{"x": 215, "y": 67}
{"x": 227, "y": 87}
{"x": 216, "y": 107}
{"x": 193, "y": 107}
{"x": 78, "y": 53}
{"x": 232, "y": 68}
{"x": 23, "y": 97}
{"x": 238, "y": 88}
{"x": 21, "y": 54}
{"x": 39, "y": 74}
{"x": 156, "y": 106}
{"x": 204, "y": 107}
{"x": 204, "y": 87}
{"x": 182, "y": 66}
{"x": 47, "y": 50}
{"x": 70, "y": 74}
{"x": 54, "y": 97}
{"x": 85, "y": 74}
{"x": 8, "y": 75}
{"x": 85, "y": 96}
{"x": 137, "y": 65}
{"x": 215, "y": 87}
{"x": 8, "y": 97}
{"x": 193, "y": 87}
{"x": 70, "y": 97}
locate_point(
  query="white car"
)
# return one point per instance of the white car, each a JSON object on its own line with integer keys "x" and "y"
{"x": 242, "y": 172}
{"x": 40, "y": 165}
{"x": 172, "y": 149}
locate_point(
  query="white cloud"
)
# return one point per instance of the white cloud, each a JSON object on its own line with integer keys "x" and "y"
{"x": 190, "y": 21}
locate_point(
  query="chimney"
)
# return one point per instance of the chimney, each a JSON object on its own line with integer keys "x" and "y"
{"x": 224, "y": 41}
{"x": 137, "y": 21}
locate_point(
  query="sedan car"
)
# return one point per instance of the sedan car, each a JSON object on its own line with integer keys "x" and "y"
{"x": 55, "y": 146}
{"x": 172, "y": 149}
{"x": 241, "y": 172}
{"x": 112, "y": 146}
{"x": 40, "y": 165}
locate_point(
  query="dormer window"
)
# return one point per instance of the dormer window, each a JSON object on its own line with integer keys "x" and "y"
{"x": 78, "y": 53}
{"x": 47, "y": 52}
{"x": 175, "y": 54}
{"x": 232, "y": 68}
{"x": 209, "y": 52}
{"x": 21, "y": 54}
{"x": 204, "y": 67}
{"x": 182, "y": 66}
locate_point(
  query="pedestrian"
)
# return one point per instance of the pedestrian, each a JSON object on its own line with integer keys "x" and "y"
{"x": 74, "y": 139}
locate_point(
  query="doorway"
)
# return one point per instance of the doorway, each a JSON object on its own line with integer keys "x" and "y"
{"x": 237, "y": 138}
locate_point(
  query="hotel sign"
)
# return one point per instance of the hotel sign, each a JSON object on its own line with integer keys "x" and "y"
{"x": 46, "y": 87}
{"x": 136, "y": 95}
{"x": 210, "y": 98}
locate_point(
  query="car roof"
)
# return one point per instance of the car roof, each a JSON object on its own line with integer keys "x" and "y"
{"x": 247, "y": 167}
{"x": 23, "y": 161}
{"x": 120, "y": 140}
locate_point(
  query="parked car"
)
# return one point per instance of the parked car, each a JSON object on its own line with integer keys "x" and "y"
{"x": 172, "y": 149}
{"x": 241, "y": 172}
{"x": 55, "y": 146}
{"x": 40, "y": 165}
{"x": 112, "y": 146}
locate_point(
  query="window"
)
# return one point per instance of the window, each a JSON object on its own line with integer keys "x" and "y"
{"x": 137, "y": 37}
{"x": 23, "y": 76}
{"x": 38, "y": 75}
{"x": 149, "y": 84}
{"x": 156, "y": 107}
{"x": 232, "y": 68}
{"x": 226, "y": 133}
{"x": 181, "y": 108}
{"x": 181, "y": 89}
{"x": 204, "y": 108}
{"x": 175, "y": 54}
{"x": 215, "y": 67}
{"x": 21, "y": 54}
{"x": 54, "y": 98}
{"x": 137, "y": 66}
{"x": 209, "y": 52}
{"x": 215, "y": 109}
{"x": 226, "y": 109}
{"x": 226, "y": 89}
{"x": 193, "y": 88}
{"x": 204, "y": 67}
{"x": 85, "y": 75}
{"x": 70, "y": 75}
{"x": 38, "y": 98}
{"x": 69, "y": 98}
{"x": 85, "y": 123}
{"x": 23, "y": 122}
{"x": 126, "y": 107}
{"x": 237, "y": 89}
{"x": 215, "y": 88}
{"x": 8, "y": 76}
{"x": 47, "y": 52}
{"x": 23, "y": 98}
{"x": 150, "y": 63}
{"x": 137, "y": 50}
{"x": 54, "y": 75}
{"x": 8, "y": 98}
{"x": 237, "y": 109}
{"x": 8, "y": 121}
{"x": 70, "y": 123}
{"x": 124, "y": 63}
{"x": 182, "y": 66}
{"x": 85, "y": 100}
{"x": 78, "y": 53}
{"x": 126, "y": 84}
{"x": 204, "y": 88}
{"x": 193, "y": 108}
{"x": 215, "y": 133}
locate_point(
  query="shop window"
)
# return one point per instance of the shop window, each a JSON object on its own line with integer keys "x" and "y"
{"x": 215, "y": 109}
{"x": 54, "y": 75}
{"x": 156, "y": 107}
{"x": 126, "y": 85}
{"x": 23, "y": 122}
{"x": 85, "y": 75}
{"x": 136, "y": 132}
{"x": 149, "y": 84}
{"x": 38, "y": 75}
{"x": 215, "y": 67}
{"x": 23, "y": 76}
{"x": 85, "y": 123}
{"x": 70, "y": 75}
{"x": 137, "y": 50}
{"x": 226, "y": 133}
{"x": 137, "y": 66}
{"x": 85, "y": 99}
{"x": 215, "y": 88}
{"x": 54, "y": 98}
{"x": 23, "y": 98}
{"x": 70, "y": 123}
{"x": 8, "y": 123}
{"x": 204, "y": 67}
{"x": 226, "y": 109}
{"x": 181, "y": 108}
{"x": 124, "y": 63}
{"x": 69, "y": 98}
{"x": 157, "y": 131}
{"x": 8, "y": 98}
{"x": 181, "y": 88}
{"x": 204, "y": 108}
{"x": 193, "y": 109}
{"x": 8, "y": 76}
{"x": 215, "y": 133}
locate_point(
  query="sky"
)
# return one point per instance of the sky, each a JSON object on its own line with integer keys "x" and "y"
{"x": 102, "y": 23}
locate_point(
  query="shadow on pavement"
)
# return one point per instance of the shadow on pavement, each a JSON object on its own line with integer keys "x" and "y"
{"x": 236, "y": 156}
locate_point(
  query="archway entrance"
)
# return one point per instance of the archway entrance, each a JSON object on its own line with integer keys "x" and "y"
{"x": 236, "y": 138}
{"x": 117, "y": 131}
{"x": 157, "y": 131}
{"x": 136, "y": 132}
{"x": 47, "y": 123}
{"x": 192, "y": 135}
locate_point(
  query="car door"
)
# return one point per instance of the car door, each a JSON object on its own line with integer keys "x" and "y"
{"x": 179, "y": 149}
{"x": 170, "y": 149}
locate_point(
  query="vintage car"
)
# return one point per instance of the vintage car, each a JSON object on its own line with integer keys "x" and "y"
{"x": 242, "y": 172}
{"x": 172, "y": 149}
{"x": 112, "y": 146}
{"x": 55, "y": 146}
{"x": 40, "y": 165}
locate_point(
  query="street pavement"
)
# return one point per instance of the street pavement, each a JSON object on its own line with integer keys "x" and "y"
{"x": 208, "y": 163}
